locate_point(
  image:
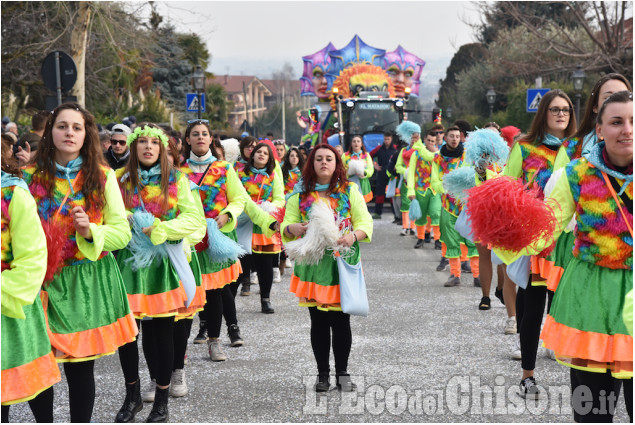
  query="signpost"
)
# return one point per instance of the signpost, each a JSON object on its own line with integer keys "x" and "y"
{"x": 533, "y": 98}
{"x": 59, "y": 74}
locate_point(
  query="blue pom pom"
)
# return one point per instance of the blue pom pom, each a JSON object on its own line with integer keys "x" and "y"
{"x": 488, "y": 144}
{"x": 143, "y": 251}
{"x": 220, "y": 247}
{"x": 414, "y": 212}
{"x": 458, "y": 181}
{"x": 406, "y": 129}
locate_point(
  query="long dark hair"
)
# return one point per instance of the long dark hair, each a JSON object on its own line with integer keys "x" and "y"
{"x": 271, "y": 162}
{"x": 93, "y": 159}
{"x": 132, "y": 168}
{"x": 309, "y": 176}
{"x": 350, "y": 147}
{"x": 215, "y": 146}
{"x": 9, "y": 163}
{"x": 286, "y": 167}
{"x": 538, "y": 129}
{"x": 590, "y": 116}
{"x": 245, "y": 143}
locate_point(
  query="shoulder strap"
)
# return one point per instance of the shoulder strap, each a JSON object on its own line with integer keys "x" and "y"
{"x": 619, "y": 204}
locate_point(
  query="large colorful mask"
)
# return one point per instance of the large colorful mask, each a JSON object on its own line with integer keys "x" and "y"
{"x": 404, "y": 69}
{"x": 313, "y": 80}
{"x": 362, "y": 77}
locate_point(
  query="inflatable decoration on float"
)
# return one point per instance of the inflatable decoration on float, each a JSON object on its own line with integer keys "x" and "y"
{"x": 404, "y": 69}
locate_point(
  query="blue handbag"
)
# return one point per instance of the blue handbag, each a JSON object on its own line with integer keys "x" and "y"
{"x": 463, "y": 225}
{"x": 353, "y": 297}
{"x": 519, "y": 271}
{"x": 391, "y": 189}
{"x": 183, "y": 269}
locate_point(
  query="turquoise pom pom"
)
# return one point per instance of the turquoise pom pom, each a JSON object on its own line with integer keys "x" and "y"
{"x": 458, "y": 181}
{"x": 143, "y": 251}
{"x": 220, "y": 247}
{"x": 414, "y": 213}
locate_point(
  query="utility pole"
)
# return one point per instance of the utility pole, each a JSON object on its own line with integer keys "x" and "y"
{"x": 284, "y": 128}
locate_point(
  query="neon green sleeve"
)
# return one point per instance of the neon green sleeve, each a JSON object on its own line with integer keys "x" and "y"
{"x": 21, "y": 283}
{"x": 198, "y": 235}
{"x": 436, "y": 179}
{"x": 369, "y": 170}
{"x": 628, "y": 312}
{"x": 562, "y": 159}
{"x": 410, "y": 181}
{"x": 114, "y": 233}
{"x": 278, "y": 191}
{"x": 236, "y": 194}
{"x": 424, "y": 153}
{"x": 190, "y": 218}
{"x": 400, "y": 166}
{"x": 360, "y": 217}
{"x": 291, "y": 215}
{"x": 514, "y": 166}
{"x": 563, "y": 206}
{"x": 278, "y": 170}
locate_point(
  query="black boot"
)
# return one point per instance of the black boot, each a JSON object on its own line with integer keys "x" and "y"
{"x": 344, "y": 383}
{"x": 234, "y": 336}
{"x": 159, "y": 411}
{"x": 244, "y": 289}
{"x": 201, "y": 337}
{"x": 132, "y": 404}
{"x": 267, "y": 308}
{"x": 322, "y": 383}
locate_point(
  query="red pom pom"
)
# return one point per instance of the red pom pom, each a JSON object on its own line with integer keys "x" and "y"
{"x": 55, "y": 245}
{"x": 506, "y": 215}
{"x": 279, "y": 214}
{"x": 202, "y": 245}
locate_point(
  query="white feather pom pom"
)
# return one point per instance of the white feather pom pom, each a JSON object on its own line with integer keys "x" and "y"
{"x": 356, "y": 167}
{"x": 231, "y": 148}
{"x": 268, "y": 207}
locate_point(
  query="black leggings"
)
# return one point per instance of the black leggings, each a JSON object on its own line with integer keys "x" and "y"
{"x": 263, "y": 265}
{"x": 81, "y": 389}
{"x": 214, "y": 311}
{"x": 530, "y": 307}
{"x": 321, "y": 324}
{"x": 41, "y": 406}
{"x": 158, "y": 347}
{"x": 600, "y": 407}
{"x": 182, "y": 330}
{"x": 229, "y": 303}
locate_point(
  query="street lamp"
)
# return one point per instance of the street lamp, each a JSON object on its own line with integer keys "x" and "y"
{"x": 198, "y": 81}
{"x": 578, "y": 77}
{"x": 491, "y": 98}
{"x": 448, "y": 111}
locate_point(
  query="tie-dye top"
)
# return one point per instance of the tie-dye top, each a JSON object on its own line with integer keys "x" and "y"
{"x": 339, "y": 201}
{"x": 423, "y": 171}
{"x": 258, "y": 186}
{"x": 7, "y": 252}
{"x": 290, "y": 180}
{"x": 213, "y": 188}
{"x": 346, "y": 158}
{"x": 573, "y": 147}
{"x": 537, "y": 164}
{"x": 601, "y": 237}
{"x": 47, "y": 208}
{"x": 152, "y": 196}
{"x": 445, "y": 165}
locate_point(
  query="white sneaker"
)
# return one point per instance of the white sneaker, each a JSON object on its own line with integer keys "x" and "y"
{"x": 253, "y": 278}
{"x": 178, "y": 385}
{"x": 510, "y": 326}
{"x": 288, "y": 263}
{"x": 215, "y": 350}
{"x": 404, "y": 232}
{"x": 148, "y": 393}
{"x": 276, "y": 275}
{"x": 516, "y": 354}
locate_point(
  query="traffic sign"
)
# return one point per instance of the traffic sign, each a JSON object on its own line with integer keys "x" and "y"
{"x": 191, "y": 102}
{"x": 533, "y": 98}
{"x": 63, "y": 68}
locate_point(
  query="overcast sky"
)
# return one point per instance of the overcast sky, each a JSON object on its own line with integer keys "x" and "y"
{"x": 259, "y": 37}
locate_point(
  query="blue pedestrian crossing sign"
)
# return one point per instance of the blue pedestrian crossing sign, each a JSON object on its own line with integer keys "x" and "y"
{"x": 191, "y": 102}
{"x": 533, "y": 98}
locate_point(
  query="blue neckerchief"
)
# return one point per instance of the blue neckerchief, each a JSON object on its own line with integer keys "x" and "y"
{"x": 146, "y": 175}
{"x": 588, "y": 142}
{"x": 357, "y": 154}
{"x": 551, "y": 140}
{"x": 595, "y": 158}
{"x": 209, "y": 160}
{"x": 299, "y": 188}
{"x": 262, "y": 171}
{"x": 70, "y": 171}
{"x": 242, "y": 160}
{"x": 295, "y": 170}
{"x": 11, "y": 180}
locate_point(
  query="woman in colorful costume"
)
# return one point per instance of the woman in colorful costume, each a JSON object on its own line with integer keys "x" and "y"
{"x": 266, "y": 190}
{"x": 29, "y": 369}
{"x": 408, "y": 132}
{"x": 223, "y": 198}
{"x": 585, "y": 326}
{"x": 292, "y": 167}
{"x": 532, "y": 160}
{"x": 317, "y": 286}
{"x": 83, "y": 213}
{"x": 363, "y": 171}
{"x": 151, "y": 186}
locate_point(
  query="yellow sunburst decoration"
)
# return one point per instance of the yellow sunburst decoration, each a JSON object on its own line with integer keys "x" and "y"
{"x": 362, "y": 77}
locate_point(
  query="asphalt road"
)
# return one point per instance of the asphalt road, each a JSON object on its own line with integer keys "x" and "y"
{"x": 424, "y": 354}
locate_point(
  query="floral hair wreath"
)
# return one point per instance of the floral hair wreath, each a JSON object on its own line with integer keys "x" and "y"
{"x": 148, "y": 132}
